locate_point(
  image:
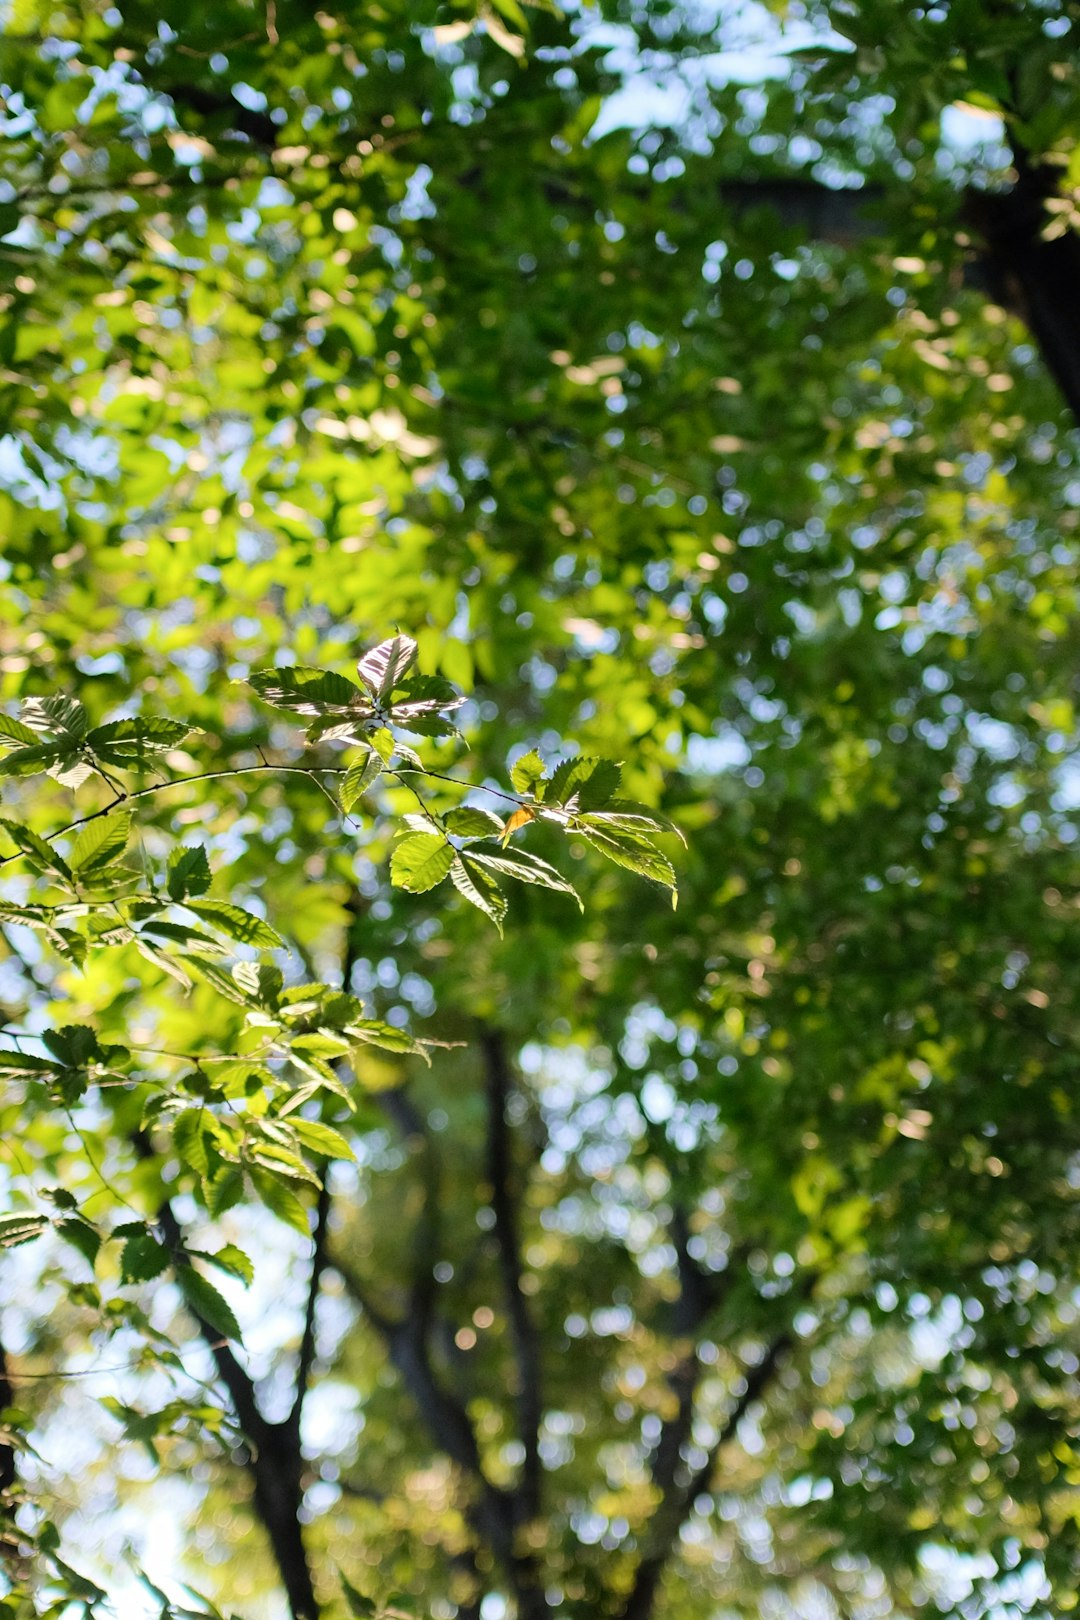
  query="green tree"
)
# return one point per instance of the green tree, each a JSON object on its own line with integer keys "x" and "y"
{"x": 721, "y": 1259}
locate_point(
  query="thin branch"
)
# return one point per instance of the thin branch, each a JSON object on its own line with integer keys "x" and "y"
{"x": 130, "y": 797}
{"x": 522, "y": 1328}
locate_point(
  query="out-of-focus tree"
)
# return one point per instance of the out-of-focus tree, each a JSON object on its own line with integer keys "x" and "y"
{"x": 696, "y": 391}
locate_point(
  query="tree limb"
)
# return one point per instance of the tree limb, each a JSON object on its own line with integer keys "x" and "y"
{"x": 522, "y": 1328}
{"x": 678, "y": 1500}
{"x": 273, "y": 1456}
{"x": 319, "y": 1261}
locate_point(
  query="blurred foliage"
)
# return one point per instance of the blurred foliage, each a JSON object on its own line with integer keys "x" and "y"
{"x": 654, "y": 376}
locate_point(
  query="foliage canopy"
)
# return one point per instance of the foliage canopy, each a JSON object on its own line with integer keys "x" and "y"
{"x": 441, "y": 484}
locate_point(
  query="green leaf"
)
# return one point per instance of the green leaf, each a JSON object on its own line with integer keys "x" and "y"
{"x": 16, "y": 1229}
{"x": 322, "y": 1139}
{"x": 132, "y": 743}
{"x": 309, "y": 691}
{"x": 223, "y": 1191}
{"x": 205, "y": 1301}
{"x": 142, "y": 1258}
{"x": 526, "y": 772}
{"x": 100, "y": 843}
{"x": 183, "y": 934}
{"x": 233, "y": 1261}
{"x": 359, "y": 778}
{"x": 15, "y": 730}
{"x": 425, "y": 694}
{"x": 469, "y": 822}
{"x": 385, "y": 666}
{"x": 223, "y": 982}
{"x": 82, "y": 1236}
{"x": 261, "y": 980}
{"x": 236, "y": 923}
{"x": 24, "y": 1065}
{"x": 58, "y": 713}
{"x": 635, "y": 854}
{"x": 35, "y": 849}
{"x": 526, "y": 867}
{"x": 280, "y": 1200}
{"x": 189, "y": 1132}
{"x": 473, "y": 883}
{"x": 76, "y": 1046}
{"x": 38, "y": 757}
{"x": 188, "y": 872}
{"x": 374, "y": 1032}
{"x": 571, "y": 777}
{"x": 601, "y": 785}
{"x": 420, "y": 861}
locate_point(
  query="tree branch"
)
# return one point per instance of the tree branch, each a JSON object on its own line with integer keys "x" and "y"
{"x": 677, "y": 1500}
{"x": 493, "y": 1513}
{"x": 273, "y": 1456}
{"x": 319, "y": 1261}
{"x": 522, "y": 1329}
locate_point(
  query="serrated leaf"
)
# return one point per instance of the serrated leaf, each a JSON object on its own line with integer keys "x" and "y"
{"x": 100, "y": 843}
{"x": 183, "y": 934}
{"x": 217, "y": 976}
{"x": 161, "y": 959}
{"x": 207, "y": 1304}
{"x": 281, "y": 1161}
{"x": 309, "y": 691}
{"x": 135, "y": 742}
{"x": 469, "y": 822}
{"x": 16, "y": 1229}
{"x": 571, "y": 776}
{"x": 602, "y": 783}
{"x": 58, "y": 713}
{"x": 420, "y": 862}
{"x": 526, "y": 772}
{"x": 528, "y": 868}
{"x": 374, "y": 1032}
{"x": 634, "y": 854}
{"x": 236, "y": 923}
{"x": 35, "y": 849}
{"x": 629, "y": 809}
{"x": 77, "y": 1045}
{"x": 233, "y": 1261}
{"x": 72, "y": 947}
{"x": 424, "y": 725}
{"x": 382, "y": 740}
{"x": 142, "y": 1258}
{"x": 15, "y": 731}
{"x": 262, "y": 981}
{"x": 426, "y": 694}
{"x": 481, "y": 891}
{"x": 71, "y": 770}
{"x": 281, "y": 1200}
{"x": 25, "y": 1065}
{"x": 223, "y": 1191}
{"x": 37, "y": 757}
{"x": 386, "y": 665}
{"x": 189, "y": 1132}
{"x": 322, "y": 1139}
{"x": 358, "y": 778}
